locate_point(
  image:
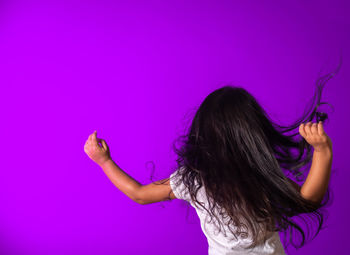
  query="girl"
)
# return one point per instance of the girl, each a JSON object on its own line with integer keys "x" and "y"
{"x": 230, "y": 170}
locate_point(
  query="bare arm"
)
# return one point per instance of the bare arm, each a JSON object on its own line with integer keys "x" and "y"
{"x": 122, "y": 180}
{"x": 141, "y": 194}
{"x": 316, "y": 182}
{"x": 156, "y": 192}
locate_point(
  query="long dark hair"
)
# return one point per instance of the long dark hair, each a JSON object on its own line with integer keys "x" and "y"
{"x": 242, "y": 159}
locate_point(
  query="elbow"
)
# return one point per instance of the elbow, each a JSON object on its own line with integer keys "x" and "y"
{"x": 313, "y": 199}
{"x": 140, "y": 202}
{"x": 138, "y": 198}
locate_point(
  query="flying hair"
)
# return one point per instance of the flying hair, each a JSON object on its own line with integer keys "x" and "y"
{"x": 242, "y": 158}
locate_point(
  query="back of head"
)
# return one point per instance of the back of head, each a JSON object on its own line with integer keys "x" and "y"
{"x": 241, "y": 157}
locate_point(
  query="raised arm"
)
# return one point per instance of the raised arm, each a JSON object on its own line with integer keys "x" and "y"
{"x": 141, "y": 194}
{"x": 124, "y": 182}
{"x": 316, "y": 183}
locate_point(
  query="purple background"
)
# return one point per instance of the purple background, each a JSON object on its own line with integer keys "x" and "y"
{"x": 132, "y": 70}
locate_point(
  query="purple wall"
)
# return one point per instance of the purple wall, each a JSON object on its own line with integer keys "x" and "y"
{"x": 132, "y": 71}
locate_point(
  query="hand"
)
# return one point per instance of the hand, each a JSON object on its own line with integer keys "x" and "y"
{"x": 315, "y": 135}
{"x": 98, "y": 153}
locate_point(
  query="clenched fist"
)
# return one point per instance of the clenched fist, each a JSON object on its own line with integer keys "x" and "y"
{"x": 315, "y": 135}
{"x": 96, "y": 152}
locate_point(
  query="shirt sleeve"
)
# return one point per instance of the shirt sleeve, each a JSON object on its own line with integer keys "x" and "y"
{"x": 179, "y": 189}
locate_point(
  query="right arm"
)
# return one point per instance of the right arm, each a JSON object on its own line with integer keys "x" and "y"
{"x": 316, "y": 183}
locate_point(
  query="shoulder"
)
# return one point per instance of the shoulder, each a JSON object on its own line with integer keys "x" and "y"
{"x": 178, "y": 187}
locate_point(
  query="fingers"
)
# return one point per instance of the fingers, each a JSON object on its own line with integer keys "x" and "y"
{"x": 104, "y": 145}
{"x": 91, "y": 135}
{"x": 320, "y": 128}
{"x": 307, "y": 129}
{"x": 88, "y": 141}
{"x": 313, "y": 129}
{"x": 94, "y": 138}
{"x": 99, "y": 141}
{"x": 310, "y": 129}
{"x": 302, "y": 130}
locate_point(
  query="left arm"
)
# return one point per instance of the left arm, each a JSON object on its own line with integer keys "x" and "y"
{"x": 121, "y": 180}
{"x": 141, "y": 194}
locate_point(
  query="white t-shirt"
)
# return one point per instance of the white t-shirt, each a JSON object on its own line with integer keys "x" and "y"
{"x": 224, "y": 243}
